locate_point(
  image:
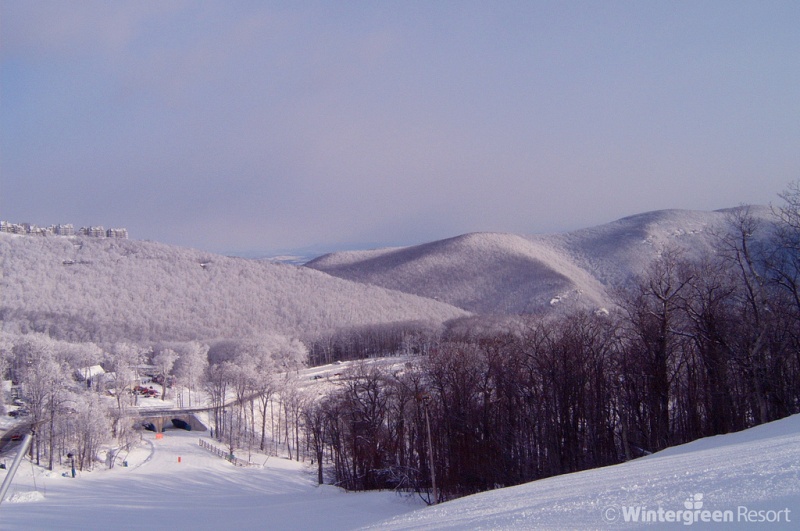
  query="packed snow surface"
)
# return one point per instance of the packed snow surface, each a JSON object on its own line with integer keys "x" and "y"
{"x": 201, "y": 491}
{"x": 751, "y": 477}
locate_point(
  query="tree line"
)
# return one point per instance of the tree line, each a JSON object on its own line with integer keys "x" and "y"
{"x": 71, "y": 412}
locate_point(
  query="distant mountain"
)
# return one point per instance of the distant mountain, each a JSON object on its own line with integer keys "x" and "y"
{"x": 106, "y": 289}
{"x": 616, "y": 251}
{"x": 490, "y": 273}
{"x": 301, "y": 255}
{"x": 99, "y": 289}
{"x": 480, "y": 272}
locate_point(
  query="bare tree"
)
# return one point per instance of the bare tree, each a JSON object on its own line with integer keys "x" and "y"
{"x": 652, "y": 310}
{"x": 314, "y": 424}
{"x": 742, "y": 250}
{"x": 711, "y": 322}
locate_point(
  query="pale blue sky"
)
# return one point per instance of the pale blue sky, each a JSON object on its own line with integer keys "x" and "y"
{"x": 251, "y": 126}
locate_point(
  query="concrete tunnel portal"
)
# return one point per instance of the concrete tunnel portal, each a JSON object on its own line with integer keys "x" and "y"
{"x": 158, "y": 423}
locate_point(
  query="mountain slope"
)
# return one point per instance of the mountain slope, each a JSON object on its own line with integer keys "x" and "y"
{"x": 507, "y": 273}
{"x": 480, "y": 272}
{"x": 105, "y": 290}
{"x": 615, "y": 251}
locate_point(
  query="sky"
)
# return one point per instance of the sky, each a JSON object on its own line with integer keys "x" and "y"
{"x": 247, "y": 127}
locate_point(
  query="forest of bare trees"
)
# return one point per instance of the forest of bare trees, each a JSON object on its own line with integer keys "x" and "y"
{"x": 693, "y": 349}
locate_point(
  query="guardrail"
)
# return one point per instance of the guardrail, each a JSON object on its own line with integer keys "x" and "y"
{"x": 223, "y": 454}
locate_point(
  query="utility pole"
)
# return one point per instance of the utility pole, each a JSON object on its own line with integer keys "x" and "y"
{"x": 435, "y": 494}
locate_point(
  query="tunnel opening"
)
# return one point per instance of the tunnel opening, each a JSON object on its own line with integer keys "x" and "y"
{"x": 181, "y": 424}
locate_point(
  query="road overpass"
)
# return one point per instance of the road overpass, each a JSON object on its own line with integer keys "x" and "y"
{"x": 159, "y": 418}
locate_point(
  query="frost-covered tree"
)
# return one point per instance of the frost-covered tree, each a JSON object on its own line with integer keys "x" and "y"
{"x": 42, "y": 375}
{"x": 190, "y": 366}
{"x": 90, "y": 424}
{"x": 6, "y": 345}
{"x": 268, "y": 358}
{"x": 122, "y": 360}
{"x": 164, "y": 361}
{"x": 218, "y": 379}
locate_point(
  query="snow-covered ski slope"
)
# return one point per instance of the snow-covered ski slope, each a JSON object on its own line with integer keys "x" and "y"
{"x": 744, "y": 479}
{"x": 201, "y": 492}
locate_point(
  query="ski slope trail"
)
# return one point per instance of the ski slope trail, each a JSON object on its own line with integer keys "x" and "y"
{"x": 202, "y": 491}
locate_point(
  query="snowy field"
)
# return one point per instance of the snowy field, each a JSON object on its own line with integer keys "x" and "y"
{"x": 746, "y": 478}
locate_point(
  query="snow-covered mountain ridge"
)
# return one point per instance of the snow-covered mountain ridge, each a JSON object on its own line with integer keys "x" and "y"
{"x": 83, "y": 289}
{"x": 92, "y": 289}
{"x": 508, "y": 273}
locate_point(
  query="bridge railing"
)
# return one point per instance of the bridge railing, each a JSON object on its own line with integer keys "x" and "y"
{"x": 223, "y": 454}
